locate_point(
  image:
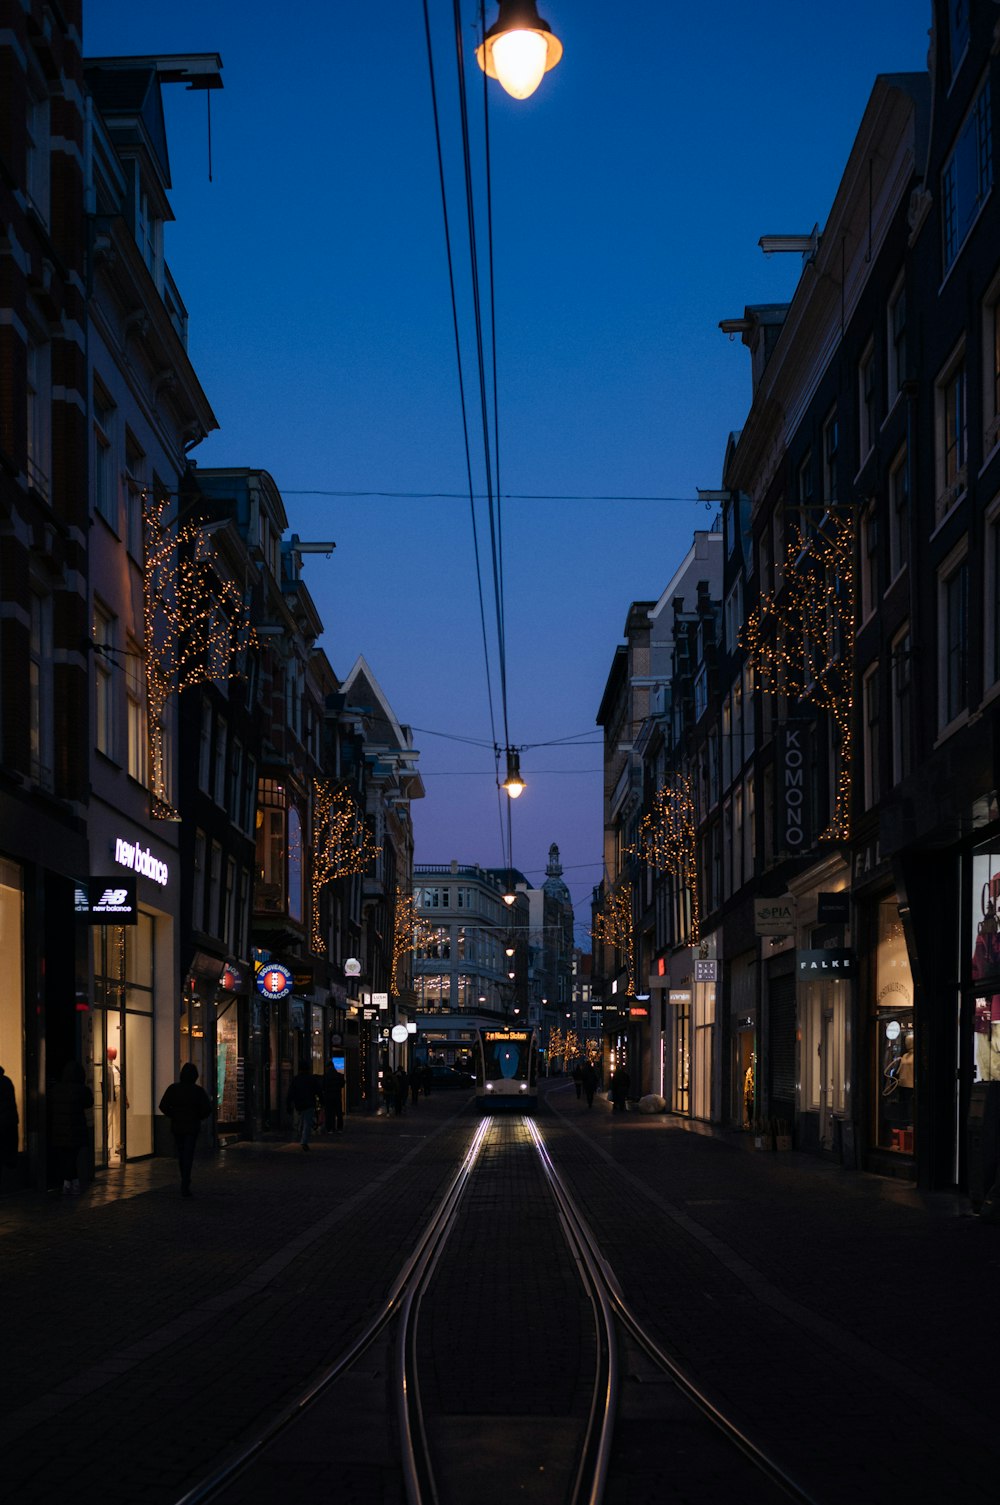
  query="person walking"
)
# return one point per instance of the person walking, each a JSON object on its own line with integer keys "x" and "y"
{"x": 186, "y": 1105}
{"x": 333, "y": 1098}
{"x": 589, "y": 1081}
{"x": 578, "y": 1082}
{"x": 402, "y": 1083}
{"x": 302, "y": 1096}
{"x": 70, "y": 1098}
{"x": 415, "y": 1082}
{"x": 620, "y": 1083}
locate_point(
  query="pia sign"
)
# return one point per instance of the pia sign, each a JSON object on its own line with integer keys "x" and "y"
{"x": 274, "y": 980}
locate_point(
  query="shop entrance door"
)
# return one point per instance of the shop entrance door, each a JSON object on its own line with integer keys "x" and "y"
{"x": 826, "y": 1085}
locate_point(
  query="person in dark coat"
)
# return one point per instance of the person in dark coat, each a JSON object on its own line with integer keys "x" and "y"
{"x": 333, "y": 1098}
{"x": 578, "y": 1082}
{"x": 426, "y": 1078}
{"x": 8, "y": 1121}
{"x": 589, "y": 1079}
{"x": 69, "y": 1100}
{"x": 186, "y": 1104}
{"x": 620, "y": 1083}
{"x": 402, "y": 1082}
{"x": 302, "y": 1094}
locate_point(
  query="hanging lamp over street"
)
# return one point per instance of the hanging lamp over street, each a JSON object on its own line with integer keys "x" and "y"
{"x": 519, "y": 48}
{"x": 513, "y": 783}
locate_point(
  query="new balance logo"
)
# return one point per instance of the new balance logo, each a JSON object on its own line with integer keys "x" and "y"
{"x": 112, "y": 896}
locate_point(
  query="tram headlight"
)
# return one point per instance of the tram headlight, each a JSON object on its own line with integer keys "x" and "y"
{"x": 524, "y": 1086}
{"x": 489, "y": 1086}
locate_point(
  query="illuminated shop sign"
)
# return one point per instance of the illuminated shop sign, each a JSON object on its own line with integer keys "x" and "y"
{"x": 106, "y": 901}
{"x": 131, "y": 854}
{"x": 826, "y": 962}
{"x": 506, "y": 1034}
{"x": 274, "y": 980}
{"x": 793, "y": 819}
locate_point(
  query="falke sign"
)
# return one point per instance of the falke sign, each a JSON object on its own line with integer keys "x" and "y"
{"x": 827, "y": 962}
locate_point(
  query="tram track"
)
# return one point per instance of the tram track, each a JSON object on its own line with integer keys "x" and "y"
{"x": 578, "y": 1468}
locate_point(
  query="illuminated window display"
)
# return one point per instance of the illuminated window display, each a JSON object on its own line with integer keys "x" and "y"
{"x": 894, "y": 1035}
{"x": 986, "y": 965}
{"x": 123, "y": 1041}
{"x": 11, "y": 1003}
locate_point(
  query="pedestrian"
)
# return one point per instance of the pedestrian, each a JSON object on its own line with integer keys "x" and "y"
{"x": 589, "y": 1080}
{"x": 302, "y": 1094}
{"x": 333, "y": 1098}
{"x": 620, "y": 1083}
{"x": 401, "y": 1084}
{"x": 415, "y": 1080}
{"x": 186, "y": 1104}
{"x": 578, "y": 1082}
{"x": 70, "y": 1098}
{"x": 9, "y": 1138}
{"x": 426, "y": 1078}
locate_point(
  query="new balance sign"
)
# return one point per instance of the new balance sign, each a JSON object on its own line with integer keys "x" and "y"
{"x": 106, "y": 901}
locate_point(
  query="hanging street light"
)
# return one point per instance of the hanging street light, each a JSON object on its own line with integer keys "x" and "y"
{"x": 519, "y": 48}
{"x": 513, "y": 783}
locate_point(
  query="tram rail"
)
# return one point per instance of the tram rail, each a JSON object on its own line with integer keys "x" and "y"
{"x": 614, "y": 1321}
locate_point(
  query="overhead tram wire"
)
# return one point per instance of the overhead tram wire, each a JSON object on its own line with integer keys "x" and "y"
{"x": 458, "y": 357}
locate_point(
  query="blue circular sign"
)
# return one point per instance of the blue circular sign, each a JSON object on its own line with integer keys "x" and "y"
{"x": 274, "y": 980}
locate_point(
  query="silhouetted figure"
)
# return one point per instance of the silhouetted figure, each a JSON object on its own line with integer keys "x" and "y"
{"x": 578, "y": 1082}
{"x": 589, "y": 1079}
{"x": 186, "y": 1104}
{"x": 620, "y": 1083}
{"x": 333, "y": 1098}
{"x": 8, "y": 1122}
{"x": 416, "y": 1081}
{"x": 402, "y": 1083}
{"x": 302, "y": 1094}
{"x": 426, "y": 1079}
{"x": 69, "y": 1100}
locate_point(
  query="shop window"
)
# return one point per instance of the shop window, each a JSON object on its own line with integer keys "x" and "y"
{"x": 12, "y": 999}
{"x": 986, "y": 964}
{"x": 893, "y": 1035}
{"x": 122, "y": 1061}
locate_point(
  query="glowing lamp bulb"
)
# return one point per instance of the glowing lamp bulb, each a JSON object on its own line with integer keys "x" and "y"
{"x": 519, "y": 59}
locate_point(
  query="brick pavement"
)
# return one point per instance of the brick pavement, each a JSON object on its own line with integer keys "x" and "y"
{"x": 844, "y": 1318}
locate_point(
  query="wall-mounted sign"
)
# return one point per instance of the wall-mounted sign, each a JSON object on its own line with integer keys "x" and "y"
{"x": 106, "y": 901}
{"x": 232, "y": 979}
{"x": 131, "y": 854}
{"x": 638, "y": 1011}
{"x": 833, "y": 908}
{"x": 792, "y": 800}
{"x": 706, "y": 971}
{"x": 380, "y": 1000}
{"x": 827, "y": 962}
{"x": 400, "y": 1033}
{"x": 411, "y": 1028}
{"x": 680, "y": 997}
{"x": 274, "y": 980}
{"x": 352, "y": 967}
{"x": 774, "y": 916}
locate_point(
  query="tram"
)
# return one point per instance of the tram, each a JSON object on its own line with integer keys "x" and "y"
{"x": 506, "y": 1069}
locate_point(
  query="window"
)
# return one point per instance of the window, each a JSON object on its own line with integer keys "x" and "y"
{"x": 951, "y": 435}
{"x": 235, "y": 782}
{"x": 967, "y": 176}
{"x": 870, "y": 701}
{"x": 700, "y": 692}
{"x": 958, "y": 33}
{"x": 992, "y": 613}
{"x": 831, "y": 446}
{"x": 804, "y": 490}
{"x": 38, "y": 413}
{"x": 228, "y": 900}
{"x": 899, "y": 514}
{"x": 778, "y": 544}
{"x": 901, "y": 706}
{"x": 869, "y": 562}
{"x": 991, "y": 367}
{"x": 37, "y": 152}
{"x": 221, "y": 737}
{"x": 896, "y": 340}
{"x": 214, "y": 882}
{"x": 734, "y": 616}
{"x": 135, "y": 488}
{"x": 198, "y": 884}
{"x": 269, "y": 894}
{"x": 104, "y": 682}
{"x": 433, "y": 898}
{"x": 727, "y": 742}
{"x": 953, "y": 639}
{"x": 105, "y": 491}
{"x": 866, "y": 403}
{"x": 40, "y": 689}
{"x": 296, "y": 866}
{"x": 135, "y": 697}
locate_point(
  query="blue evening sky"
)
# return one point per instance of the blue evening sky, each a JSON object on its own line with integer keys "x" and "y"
{"x": 628, "y": 197}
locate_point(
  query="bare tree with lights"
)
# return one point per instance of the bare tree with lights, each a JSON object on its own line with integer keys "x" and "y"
{"x": 342, "y": 845}
{"x": 668, "y": 841}
{"x": 407, "y": 929}
{"x": 800, "y": 639}
{"x": 196, "y": 627}
{"x": 613, "y": 927}
{"x": 557, "y": 1044}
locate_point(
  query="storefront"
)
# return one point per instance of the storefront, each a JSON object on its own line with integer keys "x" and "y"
{"x": 12, "y": 1054}
{"x": 742, "y": 994}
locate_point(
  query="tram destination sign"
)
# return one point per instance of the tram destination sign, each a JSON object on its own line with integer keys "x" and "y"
{"x": 106, "y": 901}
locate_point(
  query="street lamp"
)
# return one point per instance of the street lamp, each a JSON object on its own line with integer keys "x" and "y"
{"x": 519, "y": 48}
{"x": 513, "y": 783}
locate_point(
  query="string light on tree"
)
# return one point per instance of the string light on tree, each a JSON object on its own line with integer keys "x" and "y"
{"x": 196, "y": 627}
{"x": 800, "y": 639}
{"x": 613, "y": 927}
{"x": 668, "y": 840}
{"x": 342, "y": 845}
{"x": 408, "y": 929}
